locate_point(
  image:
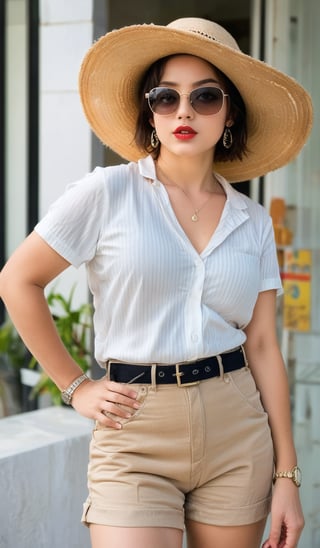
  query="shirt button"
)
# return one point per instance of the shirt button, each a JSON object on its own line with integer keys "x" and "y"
{"x": 194, "y": 337}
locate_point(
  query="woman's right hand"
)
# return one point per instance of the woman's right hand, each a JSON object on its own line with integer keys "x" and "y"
{"x": 95, "y": 399}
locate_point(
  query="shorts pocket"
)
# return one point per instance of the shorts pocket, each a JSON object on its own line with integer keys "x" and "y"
{"x": 142, "y": 391}
{"x": 245, "y": 386}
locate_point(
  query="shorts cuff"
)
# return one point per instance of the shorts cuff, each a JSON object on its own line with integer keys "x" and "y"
{"x": 232, "y": 516}
{"x": 132, "y": 517}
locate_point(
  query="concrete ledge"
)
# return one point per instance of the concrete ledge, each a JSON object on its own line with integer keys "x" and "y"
{"x": 43, "y": 466}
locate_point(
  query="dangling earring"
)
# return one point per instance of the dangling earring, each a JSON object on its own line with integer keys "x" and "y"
{"x": 227, "y": 138}
{"x": 154, "y": 140}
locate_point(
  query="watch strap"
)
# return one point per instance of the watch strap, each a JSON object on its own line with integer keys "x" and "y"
{"x": 294, "y": 474}
{"x": 67, "y": 394}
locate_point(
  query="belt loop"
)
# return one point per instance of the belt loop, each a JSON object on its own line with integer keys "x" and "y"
{"x": 108, "y": 370}
{"x": 246, "y": 363}
{"x": 154, "y": 376}
{"x": 223, "y": 376}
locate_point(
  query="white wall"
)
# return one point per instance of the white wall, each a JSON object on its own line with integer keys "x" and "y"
{"x": 66, "y": 32}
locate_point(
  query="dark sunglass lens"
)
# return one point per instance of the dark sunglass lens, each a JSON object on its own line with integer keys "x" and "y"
{"x": 207, "y": 100}
{"x": 163, "y": 100}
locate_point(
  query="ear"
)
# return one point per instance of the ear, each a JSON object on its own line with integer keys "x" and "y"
{"x": 229, "y": 122}
{"x": 151, "y": 122}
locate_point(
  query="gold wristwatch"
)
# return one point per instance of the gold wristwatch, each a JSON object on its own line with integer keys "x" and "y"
{"x": 294, "y": 475}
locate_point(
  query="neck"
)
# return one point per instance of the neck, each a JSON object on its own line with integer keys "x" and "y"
{"x": 187, "y": 173}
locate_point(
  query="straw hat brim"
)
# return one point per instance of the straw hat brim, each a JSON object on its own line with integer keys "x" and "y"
{"x": 279, "y": 110}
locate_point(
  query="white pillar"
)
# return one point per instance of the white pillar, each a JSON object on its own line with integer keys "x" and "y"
{"x": 66, "y": 32}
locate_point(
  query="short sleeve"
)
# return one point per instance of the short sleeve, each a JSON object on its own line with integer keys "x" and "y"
{"x": 269, "y": 266}
{"x": 73, "y": 223}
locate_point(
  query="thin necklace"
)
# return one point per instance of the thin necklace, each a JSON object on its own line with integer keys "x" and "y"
{"x": 195, "y": 215}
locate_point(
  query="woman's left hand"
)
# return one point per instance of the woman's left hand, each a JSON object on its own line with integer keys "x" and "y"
{"x": 287, "y": 519}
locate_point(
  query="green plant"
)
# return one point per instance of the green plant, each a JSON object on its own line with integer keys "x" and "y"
{"x": 74, "y": 327}
{"x": 13, "y": 356}
{"x": 12, "y": 346}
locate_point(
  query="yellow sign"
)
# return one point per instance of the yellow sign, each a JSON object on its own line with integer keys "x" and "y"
{"x": 296, "y": 277}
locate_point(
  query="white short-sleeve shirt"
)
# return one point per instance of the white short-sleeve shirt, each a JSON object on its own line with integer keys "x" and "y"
{"x": 156, "y": 299}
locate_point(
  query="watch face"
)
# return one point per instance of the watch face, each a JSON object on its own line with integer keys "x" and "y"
{"x": 65, "y": 398}
{"x": 297, "y": 476}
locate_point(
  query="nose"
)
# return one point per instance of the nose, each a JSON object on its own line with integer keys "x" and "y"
{"x": 184, "y": 109}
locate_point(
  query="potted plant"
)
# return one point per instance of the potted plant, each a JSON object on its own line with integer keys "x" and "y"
{"x": 74, "y": 326}
{"x": 13, "y": 357}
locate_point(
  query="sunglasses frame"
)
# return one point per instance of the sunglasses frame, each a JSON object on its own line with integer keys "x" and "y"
{"x": 223, "y": 94}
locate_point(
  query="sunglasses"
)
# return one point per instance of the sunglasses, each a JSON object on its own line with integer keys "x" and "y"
{"x": 205, "y": 100}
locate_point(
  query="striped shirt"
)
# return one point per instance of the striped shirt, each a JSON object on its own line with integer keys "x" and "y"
{"x": 156, "y": 298}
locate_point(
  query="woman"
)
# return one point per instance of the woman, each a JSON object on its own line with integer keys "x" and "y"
{"x": 192, "y": 417}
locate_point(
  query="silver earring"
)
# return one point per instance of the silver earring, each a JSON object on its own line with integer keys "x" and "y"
{"x": 154, "y": 140}
{"x": 227, "y": 138}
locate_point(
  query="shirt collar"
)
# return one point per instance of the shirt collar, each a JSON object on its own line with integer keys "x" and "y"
{"x": 147, "y": 169}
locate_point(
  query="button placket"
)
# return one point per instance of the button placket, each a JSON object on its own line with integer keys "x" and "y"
{"x": 193, "y": 316}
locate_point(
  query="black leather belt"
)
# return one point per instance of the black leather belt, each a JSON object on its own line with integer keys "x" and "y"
{"x": 183, "y": 374}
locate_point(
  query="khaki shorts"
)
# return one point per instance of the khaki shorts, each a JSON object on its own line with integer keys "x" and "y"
{"x": 200, "y": 452}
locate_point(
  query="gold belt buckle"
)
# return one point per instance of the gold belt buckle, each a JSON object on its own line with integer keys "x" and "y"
{"x": 178, "y": 374}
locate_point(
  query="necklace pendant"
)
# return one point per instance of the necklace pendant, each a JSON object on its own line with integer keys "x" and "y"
{"x": 194, "y": 218}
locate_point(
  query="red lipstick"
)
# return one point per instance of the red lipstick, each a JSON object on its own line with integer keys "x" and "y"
{"x": 184, "y": 133}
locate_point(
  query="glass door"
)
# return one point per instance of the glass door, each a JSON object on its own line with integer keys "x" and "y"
{"x": 286, "y": 32}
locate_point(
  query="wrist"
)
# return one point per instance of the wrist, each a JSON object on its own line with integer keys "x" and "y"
{"x": 293, "y": 474}
{"x": 68, "y": 392}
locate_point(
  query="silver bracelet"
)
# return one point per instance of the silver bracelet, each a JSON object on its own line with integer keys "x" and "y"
{"x": 67, "y": 394}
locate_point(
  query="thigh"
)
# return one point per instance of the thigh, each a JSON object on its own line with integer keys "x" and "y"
{"x": 201, "y": 535}
{"x": 103, "y": 536}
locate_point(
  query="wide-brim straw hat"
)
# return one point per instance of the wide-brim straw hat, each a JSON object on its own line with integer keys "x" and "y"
{"x": 279, "y": 110}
